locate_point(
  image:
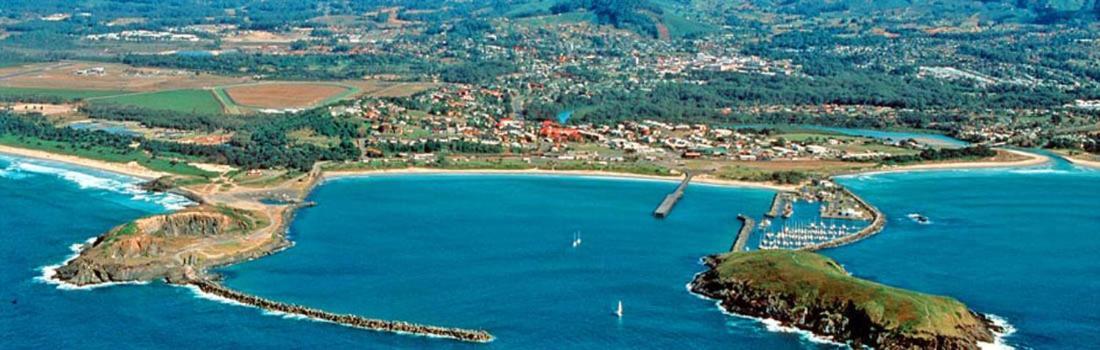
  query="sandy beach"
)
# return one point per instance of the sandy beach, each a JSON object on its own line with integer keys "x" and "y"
{"x": 1032, "y": 160}
{"x": 132, "y": 169}
{"x": 703, "y": 179}
{"x": 1082, "y": 162}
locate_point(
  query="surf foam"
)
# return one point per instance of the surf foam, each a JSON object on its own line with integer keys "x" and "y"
{"x": 999, "y": 337}
{"x": 771, "y": 325}
{"x": 49, "y": 271}
{"x": 85, "y": 180}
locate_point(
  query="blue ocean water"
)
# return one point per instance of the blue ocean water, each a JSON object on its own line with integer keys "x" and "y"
{"x": 1021, "y": 244}
{"x": 494, "y": 252}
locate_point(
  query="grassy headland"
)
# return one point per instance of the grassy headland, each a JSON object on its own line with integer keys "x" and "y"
{"x": 812, "y": 292}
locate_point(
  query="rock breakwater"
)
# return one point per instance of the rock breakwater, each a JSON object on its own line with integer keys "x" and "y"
{"x": 467, "y": 335}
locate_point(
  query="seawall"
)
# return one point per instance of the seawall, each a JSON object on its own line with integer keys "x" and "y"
{"x": 742, "y": 234}
{"x": 466, "y": 335}
{"x": 878, "y": 222}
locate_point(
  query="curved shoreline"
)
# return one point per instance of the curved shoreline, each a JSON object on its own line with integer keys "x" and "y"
{"x": 701, "y": 179}
{"x": 1081, "y": 162}
{"x": 132, "y": 170}
{"x": 1034, "y": 159}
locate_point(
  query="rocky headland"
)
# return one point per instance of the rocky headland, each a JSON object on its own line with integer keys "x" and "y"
{"x": 810, "y": 292}
{"x": 169, "y": 245}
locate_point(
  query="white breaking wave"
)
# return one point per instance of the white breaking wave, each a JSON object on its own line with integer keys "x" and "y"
{"x": 1039, "y": 171}
{"x": 208, "y": 296}
{"x": 49, "y": 271}
{"x": 771, "y": 325}
{"x": 113, "y": 183}
{"x": 10, "y": 172}
{"x": 999, "y": 337}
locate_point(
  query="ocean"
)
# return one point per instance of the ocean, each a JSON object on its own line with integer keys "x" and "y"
{"x": 495, "y": 252}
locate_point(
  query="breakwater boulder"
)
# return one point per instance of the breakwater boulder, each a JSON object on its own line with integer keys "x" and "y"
{"x": 813, "y": 293}
{"x": 467, "y": 335}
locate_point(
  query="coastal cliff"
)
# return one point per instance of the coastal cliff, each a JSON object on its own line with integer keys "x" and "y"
{"x": 813, "y": 293}
{"x": 165, "y": 246}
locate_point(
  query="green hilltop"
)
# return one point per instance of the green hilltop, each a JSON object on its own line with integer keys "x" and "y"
{"x": 810, "y": 291}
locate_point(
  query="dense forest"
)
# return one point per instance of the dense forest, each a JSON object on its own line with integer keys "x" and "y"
{"x": 937, "y": 154}
{"x": 695, "y": 102}
{"x": 637, "y": 15}
{"x": 265, "y": 146}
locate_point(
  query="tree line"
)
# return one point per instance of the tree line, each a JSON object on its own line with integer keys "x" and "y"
{"x": 260, "y": 148}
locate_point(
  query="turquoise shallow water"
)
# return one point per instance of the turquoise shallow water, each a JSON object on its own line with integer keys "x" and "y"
{"x": 494, "y": 252}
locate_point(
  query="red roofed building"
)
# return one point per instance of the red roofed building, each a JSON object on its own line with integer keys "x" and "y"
{"x": 557, "y": 133}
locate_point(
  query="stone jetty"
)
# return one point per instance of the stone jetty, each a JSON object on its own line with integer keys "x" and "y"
{"x": 670, "y": 200}
{"x": 778, "y": 200}
{"x": 466, "y": 335}
{"x": 742, "y": 234}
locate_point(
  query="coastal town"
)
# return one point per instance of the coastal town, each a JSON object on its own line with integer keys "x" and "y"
{"x": 517, "y": 174}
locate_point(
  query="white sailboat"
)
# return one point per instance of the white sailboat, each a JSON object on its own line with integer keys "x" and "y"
{"x": 576, "y": 239}
{"x": 619, "y": 311}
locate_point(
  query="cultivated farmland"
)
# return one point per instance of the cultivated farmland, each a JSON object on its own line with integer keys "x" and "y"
{"x": 287, "y": 95}
{"x": 187, "y": 101}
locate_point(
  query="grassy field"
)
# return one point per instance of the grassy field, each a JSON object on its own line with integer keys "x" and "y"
{"x": 108, "y": 155}
{"x": 680, "y": 27}
{"x": 65, "y": 94}
{"x": 187, "y": 101}
{"x": 812, "y": 278}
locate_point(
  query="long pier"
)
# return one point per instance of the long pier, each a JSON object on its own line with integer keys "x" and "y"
{"x": 743, "y": 233}
{"x": 466, "y": 335}
{"x": 670, "y": 200}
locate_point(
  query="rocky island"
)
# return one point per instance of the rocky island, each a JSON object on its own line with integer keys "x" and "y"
{"x": 813, "y": 293}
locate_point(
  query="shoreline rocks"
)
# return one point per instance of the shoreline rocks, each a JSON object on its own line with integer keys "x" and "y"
{"x": 782, "y": 298}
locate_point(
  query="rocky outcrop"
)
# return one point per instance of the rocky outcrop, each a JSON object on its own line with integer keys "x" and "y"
{"x": 845, "y": 320}
{"x": 84, "y": 271}
{"x": 155, "y": 247}
{"x": 203, "y": 224}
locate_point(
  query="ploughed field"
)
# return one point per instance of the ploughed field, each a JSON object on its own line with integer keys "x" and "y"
{"x": 288, "y": 95}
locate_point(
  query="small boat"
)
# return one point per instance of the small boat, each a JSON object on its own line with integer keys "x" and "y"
{"x": 918, "y": 218}
{"x": 576, "y": 239}
{"x": 765, "y": 223}
{"x": 619, "y": 311}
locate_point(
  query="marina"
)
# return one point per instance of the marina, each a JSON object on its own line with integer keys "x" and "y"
{"x": 801, "y": 236}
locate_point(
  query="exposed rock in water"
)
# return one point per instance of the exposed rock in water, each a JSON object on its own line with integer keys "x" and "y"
{"x": 160, "y": 184}
{"x": 811, "y": 292}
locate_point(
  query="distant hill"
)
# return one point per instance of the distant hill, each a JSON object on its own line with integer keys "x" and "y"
{"x": 1037, "y": 11}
